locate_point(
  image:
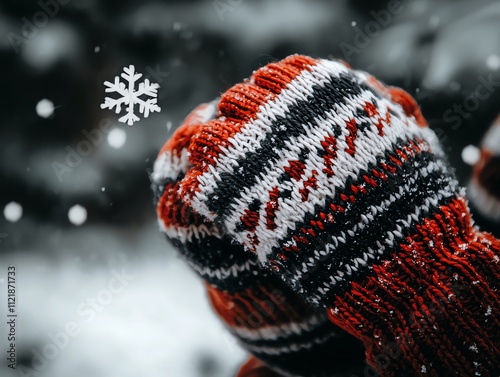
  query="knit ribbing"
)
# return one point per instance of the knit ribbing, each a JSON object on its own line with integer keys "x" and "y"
{"x": 436, "y": 300}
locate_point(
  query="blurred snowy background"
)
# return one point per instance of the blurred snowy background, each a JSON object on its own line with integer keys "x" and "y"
{"x": 71, "y": 233}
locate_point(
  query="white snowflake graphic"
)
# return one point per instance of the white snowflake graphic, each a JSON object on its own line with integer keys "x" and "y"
{"x": 130, "y": 97}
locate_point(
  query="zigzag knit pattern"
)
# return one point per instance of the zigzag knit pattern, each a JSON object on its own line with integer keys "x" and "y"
{"x": 316, "y": 144}
{"x": 267, "y": 317}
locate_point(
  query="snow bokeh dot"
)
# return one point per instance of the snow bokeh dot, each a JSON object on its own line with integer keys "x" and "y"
{"x": 434, "y": 22}
{"x": 77, "y": 215}
{"x": 117, "y": 138}
{"x": 493, "y": 62}
{"x": 45, "y": 108}
{"x": 471, "y": 155}
{"x": 13, "y": 212}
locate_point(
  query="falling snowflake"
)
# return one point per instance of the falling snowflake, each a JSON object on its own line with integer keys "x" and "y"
{"x": 130, "y": 97}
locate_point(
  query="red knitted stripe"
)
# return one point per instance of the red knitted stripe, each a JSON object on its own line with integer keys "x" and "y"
{"x": 405, "y": 100}
{"x": 238, "y": 106}
{"x": 182, "y": 136}
{"x": 445, "y": 280}
{"x": 173, "y": 212}
{"x": 329, "y": 144}
{"x": 258, "y": 307}
{"x": 408, "y": 104}
{"x": 271, "y": 208}
{"x": 309, "y": 183}
{"x": 382, "y": 88}
{"x": 373, "y": 112}
{"x": 170, "y": 209}
{"x": 351, "y": 193}
{"x": 351, "y": 138}
{"x": 295, "y": 169}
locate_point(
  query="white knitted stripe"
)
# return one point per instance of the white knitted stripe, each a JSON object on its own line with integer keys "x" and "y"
{"x": 222, "y": 273}
{"x": 406, "y": 223}
{"x": 281, "y": 331}
{"x": 290, "y": 347}
{"x": 205, "y": 112}
{"x": 249, "y": 138}
{"x": 168, "y": 166}
{"x": 386, "y": 241}
{"x": 432, "y": 139}
{"x": 369, "y": 146}
{"x": 269, "y": 179}
{"x": 186, "y": 234}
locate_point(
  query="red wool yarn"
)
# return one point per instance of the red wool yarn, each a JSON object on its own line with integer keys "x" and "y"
{"x": 319, "y": 182}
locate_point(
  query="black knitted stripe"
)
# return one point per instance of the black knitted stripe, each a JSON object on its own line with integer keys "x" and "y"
{"x": 214, "y": 252}
{"x": 324, "y": 270}
{"x": 337, "y": 356}
{"x": 323, "y": 328}
{"x": 322, "y": 100}
{"x": 356, "y": 245}
{"x": 210, "y": 252}
{"x": 374, "y": 196}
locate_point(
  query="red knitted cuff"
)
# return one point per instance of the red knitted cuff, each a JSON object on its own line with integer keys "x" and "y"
{"x": 433, "y": 309}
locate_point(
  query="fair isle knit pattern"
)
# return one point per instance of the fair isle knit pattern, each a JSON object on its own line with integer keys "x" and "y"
{"x": 323, "y": 142}
{"x": 269, "y": 319}
{"x": 339, "y": 187}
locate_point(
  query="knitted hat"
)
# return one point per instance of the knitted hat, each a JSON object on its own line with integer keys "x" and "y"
{"x": 484, "y": 188}
{"x": 268, "y": 318}
{"x": 337, "y": 184}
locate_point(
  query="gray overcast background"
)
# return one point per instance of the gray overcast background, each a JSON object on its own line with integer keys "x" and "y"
{"x": 158, "y": 323}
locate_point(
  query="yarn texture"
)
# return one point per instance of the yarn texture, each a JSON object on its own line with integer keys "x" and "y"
{"x": 329, "y": 186}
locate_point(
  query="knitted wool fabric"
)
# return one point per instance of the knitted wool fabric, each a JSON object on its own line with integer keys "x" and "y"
{"x": 338, "y": 185}
{"x": 484, "y": 188}
{"x": 255, "y": 368}
{"x": 269, "y": 319}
